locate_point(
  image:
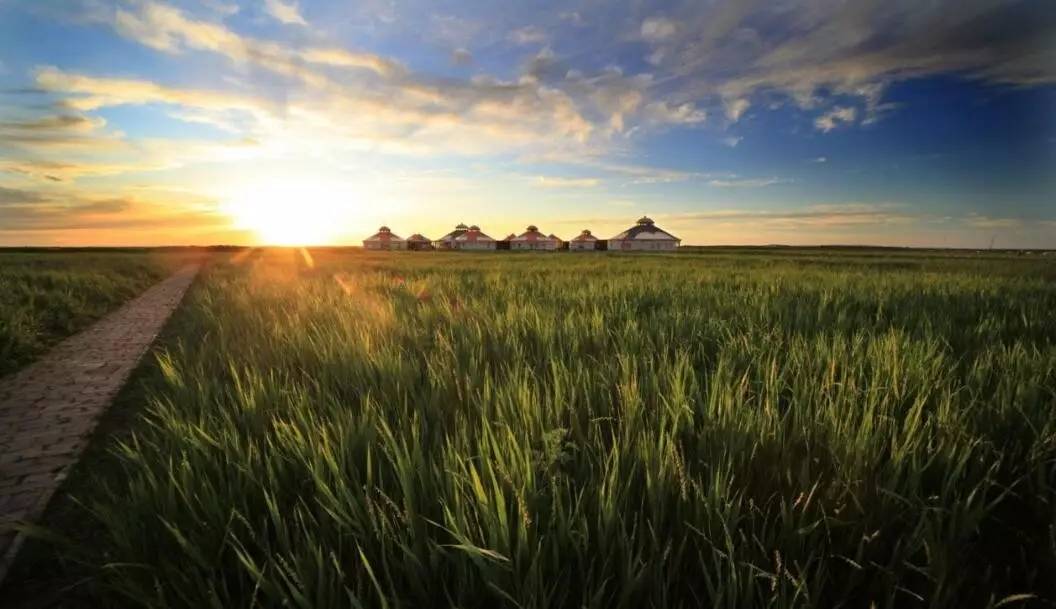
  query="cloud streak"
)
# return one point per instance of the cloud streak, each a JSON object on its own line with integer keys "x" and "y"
{"x": 284, "y": 12}
{"x": 745, "y": 182}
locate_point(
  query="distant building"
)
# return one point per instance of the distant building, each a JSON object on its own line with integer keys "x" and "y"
{"x": 419, "y": 242}
{"x": 447, "y": 242}
{"x": 584, "y": 242}
{"x": 473, "y": 239}
{"x": 384, "y": 239}
{"x": 645, "y": 235}
{"x": 532, "y": 239}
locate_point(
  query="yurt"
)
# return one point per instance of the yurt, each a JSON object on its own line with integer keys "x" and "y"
{"x": 645, "y": 235}
{"x": 419, "y": 242}
{"x": 583, "y": 242}
{"x": 447, "y": 242}
{"x": 384, "y": 239}
{"x": 474, "y": 239}
{"x": 532, "y": 239}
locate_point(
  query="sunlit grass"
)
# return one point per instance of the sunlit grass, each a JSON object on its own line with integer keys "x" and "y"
{"x": 410, "y": 430}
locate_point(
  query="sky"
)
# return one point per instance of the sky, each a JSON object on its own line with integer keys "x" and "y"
{"x": 894, "y": 122}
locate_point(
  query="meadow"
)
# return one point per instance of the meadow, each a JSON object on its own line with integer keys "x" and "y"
{"x": 45, "y": 297}
{"x": 708, "y": 429}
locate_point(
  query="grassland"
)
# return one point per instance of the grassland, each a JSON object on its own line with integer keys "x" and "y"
{"x": 791, "y": 429}
{"x": 46, "y": 296}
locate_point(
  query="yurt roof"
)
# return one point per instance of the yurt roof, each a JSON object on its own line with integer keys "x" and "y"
{"x": 532, "y": 234}
{"x": 384, "y": 234}
{"x": 585, "y": 236}
{"x": 473, "y": 234}
{"x": 645, "y": 230}
{"x": 455, "y": 234}
{"x": 418, "y": 237}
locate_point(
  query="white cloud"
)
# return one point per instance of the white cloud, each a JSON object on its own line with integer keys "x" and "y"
{"x": 561, "y": 182}
{"x": 844, "y": 115}
{"x": 987, "y": 222}
{"x": 681, "y": 114}
{"x": 347, "y": 59}
{"x": 224, "y": 8}
{"x": 820, "y": 215}
{"x": 461, "y": 57}
{"x": 287, "y": 12}
{"x": 658, "y": 29}
{"x": 526, "y": 35}
{"x": 732, "y": 141}
{"x": 745, "y": 182}
{"x": 168, "y": 29}
{"x": 735, "y": 108}
{"x": 813, "y": 51}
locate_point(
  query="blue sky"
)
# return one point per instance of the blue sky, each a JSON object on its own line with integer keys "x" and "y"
{"x": 206, "y": 121}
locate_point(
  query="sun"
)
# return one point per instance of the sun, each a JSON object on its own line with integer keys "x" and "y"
{"x": 292, "y": 212}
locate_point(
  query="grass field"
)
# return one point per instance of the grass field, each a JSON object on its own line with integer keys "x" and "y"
{"x": 45, "y": 297}
{"x": 717, "y": 429}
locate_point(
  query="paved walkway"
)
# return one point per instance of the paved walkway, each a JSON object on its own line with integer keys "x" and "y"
{"x": 49, "y": 409}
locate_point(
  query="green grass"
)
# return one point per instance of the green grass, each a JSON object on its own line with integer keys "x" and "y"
{"x": 692, "y": 430}
{"x": 45, "y": 297}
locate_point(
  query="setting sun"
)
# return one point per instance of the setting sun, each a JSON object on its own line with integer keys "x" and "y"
{"x": 292, "y": 211}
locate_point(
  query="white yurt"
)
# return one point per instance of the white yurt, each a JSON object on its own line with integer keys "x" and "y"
{"x": 644, "y": 236}
{"x": 384, "y": 239}
{"x": 532, "y": 239}
{"x": 583, "y": 242}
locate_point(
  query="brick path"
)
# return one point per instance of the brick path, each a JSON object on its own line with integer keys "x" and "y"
{"x": 49, "y": 409}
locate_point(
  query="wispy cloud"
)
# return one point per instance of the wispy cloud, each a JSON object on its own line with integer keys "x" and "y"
{"x": 740, "y": 49}
{"x": 528, "y": 34}
{"x": 988, "y": 222}
{"x": 168, "y": 29}
{"x": 461, "y": 57}
{"x": 840, "y": 115}
{"x": 736, "y": 107}
{"x": 287, "y": 12}
{"x": 23, "y": 211}
{"x": 658, "y": 29}
{"x": 828, "y": 215}
{"x": 562, "y": 182}
{"x": 745, "y": 182}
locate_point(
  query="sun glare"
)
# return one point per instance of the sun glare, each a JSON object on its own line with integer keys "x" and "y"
{"x": 292, "y": 212}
